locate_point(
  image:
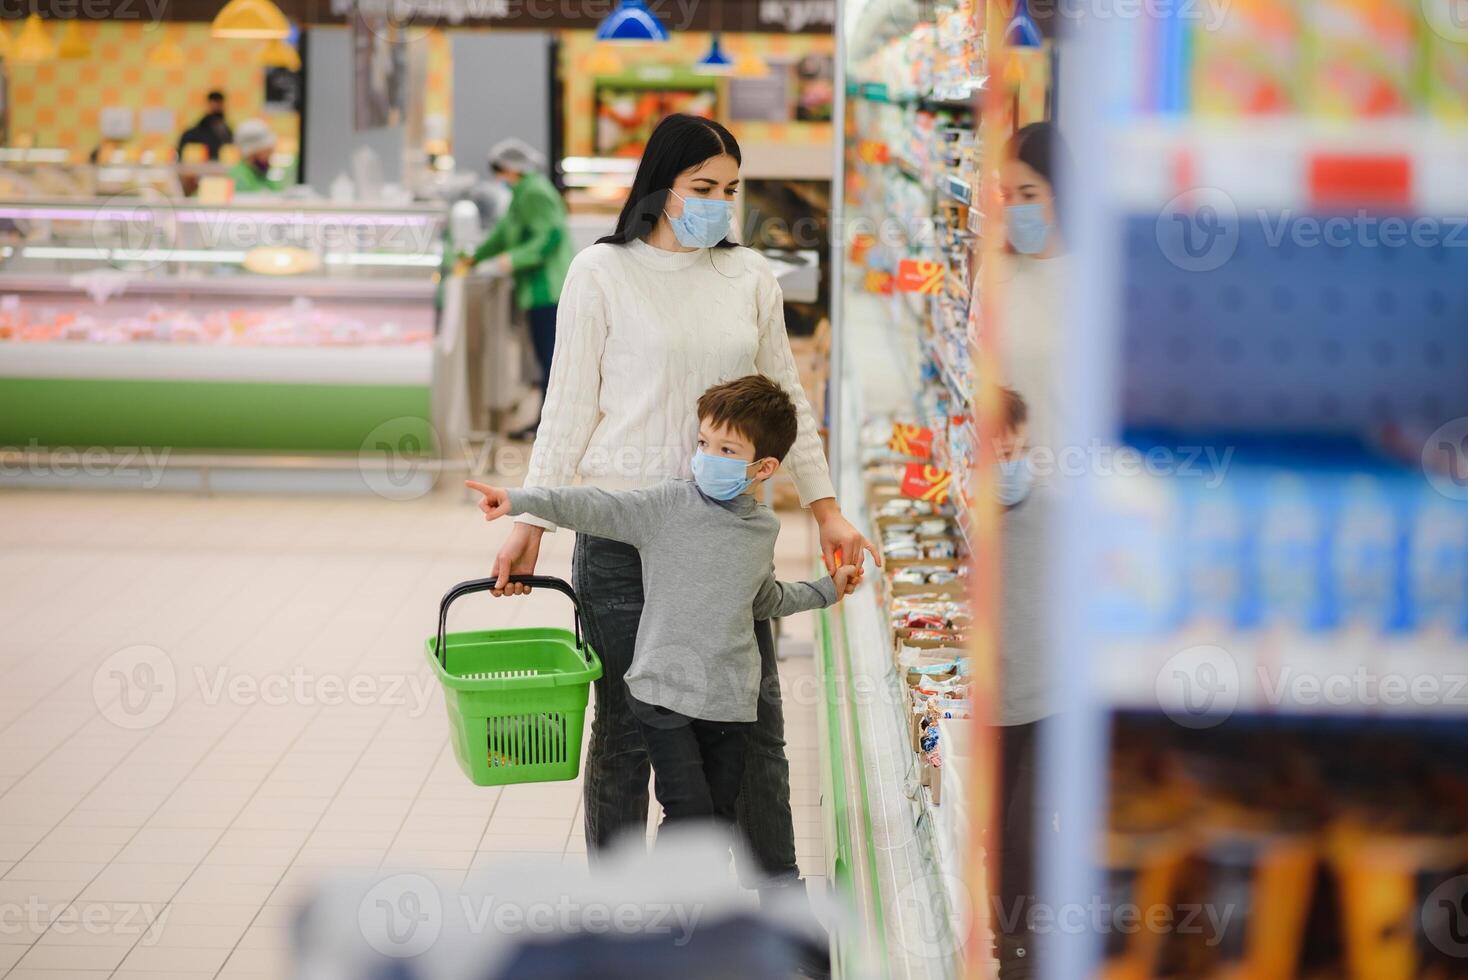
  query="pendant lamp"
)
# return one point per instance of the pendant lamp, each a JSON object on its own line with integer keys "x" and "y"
{"x": 714, "y": 61}
{"x": 73, "y": 43}
{"x": 279, "y": 54}
{"x": 630, "y": 23}
{"x": 32, "y": 45}
{"x": 250, "y": 19}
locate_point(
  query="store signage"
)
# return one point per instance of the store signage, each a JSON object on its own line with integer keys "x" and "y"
{"x": 911, "y": 440}
{"x": 925, "y": 482}
{"x": 920, "y": 276}
{"x": 789, "y": 16}
{"x": 797, "y": 15}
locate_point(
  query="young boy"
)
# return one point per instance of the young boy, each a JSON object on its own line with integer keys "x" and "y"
{"x": 707, "y": 549}
{"x": 1025, "y": 689}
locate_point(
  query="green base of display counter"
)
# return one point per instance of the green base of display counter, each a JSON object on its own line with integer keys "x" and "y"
{"x": 92, "y": 412}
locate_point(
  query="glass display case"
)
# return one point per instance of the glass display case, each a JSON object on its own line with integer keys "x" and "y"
{"x": 286, "y": 325}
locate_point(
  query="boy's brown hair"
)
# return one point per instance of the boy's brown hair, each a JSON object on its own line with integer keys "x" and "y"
{"x": 1016, "y": 412}
{"x": 756, "y": 408}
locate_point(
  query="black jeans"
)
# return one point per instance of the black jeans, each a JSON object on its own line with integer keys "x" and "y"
{"x": 542, "y": 320}
{"x": 1016, "y": 895}
{"x": 697, "y": 765}
{"x": 607, "y": 576}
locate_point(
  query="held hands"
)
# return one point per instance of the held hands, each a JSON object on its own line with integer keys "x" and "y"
{"x": 847, "y": 579}
{"x": 496, "y": 502}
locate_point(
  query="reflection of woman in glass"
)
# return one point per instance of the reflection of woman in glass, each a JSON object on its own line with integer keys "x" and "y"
{"x": 651, "y": 316}
{"x": 1034, "y": 274}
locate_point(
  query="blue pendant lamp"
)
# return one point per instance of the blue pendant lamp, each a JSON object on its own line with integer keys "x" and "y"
{"x": 631, "y": 22}
{"x": 715, "y": 62}
{"x": 1022, "y": 32}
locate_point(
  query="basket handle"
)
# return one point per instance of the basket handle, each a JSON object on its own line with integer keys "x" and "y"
{"x": 485, "y": 584}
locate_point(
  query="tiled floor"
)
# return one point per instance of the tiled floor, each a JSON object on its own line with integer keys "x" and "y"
{"x": 205, "y": 702}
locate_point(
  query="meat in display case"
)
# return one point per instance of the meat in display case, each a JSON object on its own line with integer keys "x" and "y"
{"x": 288, "y": 326}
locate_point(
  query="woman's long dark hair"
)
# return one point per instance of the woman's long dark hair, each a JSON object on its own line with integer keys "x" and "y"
{"x": 680, "y": 141}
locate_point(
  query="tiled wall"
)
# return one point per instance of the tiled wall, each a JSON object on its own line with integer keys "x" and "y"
{"x": 59, "y": 103}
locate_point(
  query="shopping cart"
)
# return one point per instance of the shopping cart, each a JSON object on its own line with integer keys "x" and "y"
{"x": 516, "y": 699}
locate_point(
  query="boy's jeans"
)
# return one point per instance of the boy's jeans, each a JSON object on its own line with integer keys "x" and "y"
{"x": 607, "y": 576}
{"x": 697, "y": 765}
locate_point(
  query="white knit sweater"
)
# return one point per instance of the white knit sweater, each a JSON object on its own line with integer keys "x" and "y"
{"x": 641, "y": 333}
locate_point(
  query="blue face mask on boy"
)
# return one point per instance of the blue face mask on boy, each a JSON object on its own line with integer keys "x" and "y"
{"x": 721, "y": 477}
{"x": 1013, "y": 478}
{"x": 704, "y": 221}
{"x": 1027, "y": 228}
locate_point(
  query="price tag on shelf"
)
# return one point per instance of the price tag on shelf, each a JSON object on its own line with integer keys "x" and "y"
{"x": 920, "y": 276}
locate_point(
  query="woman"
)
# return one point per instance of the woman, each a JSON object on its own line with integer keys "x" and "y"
{"x": 1034, "y": 275}
{"x": 650, "y": 316}
{"x": 531, "y": 243}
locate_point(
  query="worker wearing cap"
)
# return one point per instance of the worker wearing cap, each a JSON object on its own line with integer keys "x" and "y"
{"x": 255, "y": 141}
{"x": 532, "y": 244}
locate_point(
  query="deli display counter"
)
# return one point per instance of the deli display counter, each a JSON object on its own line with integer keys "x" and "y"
{"x": 276, "y": 327}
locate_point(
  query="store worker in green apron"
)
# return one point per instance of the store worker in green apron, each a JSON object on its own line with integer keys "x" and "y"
{"x": 531, "y": 243}
{"x": 256, "y": 141}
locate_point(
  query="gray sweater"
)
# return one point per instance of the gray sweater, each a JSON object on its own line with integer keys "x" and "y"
{"x": 1025, "y": 684}
{"x": 708, "y": 573}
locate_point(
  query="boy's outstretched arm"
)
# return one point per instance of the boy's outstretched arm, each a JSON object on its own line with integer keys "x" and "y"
{"x": 629, "y": 516}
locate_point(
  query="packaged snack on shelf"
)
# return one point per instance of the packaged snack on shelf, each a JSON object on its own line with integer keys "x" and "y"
{"x": 1362, "y": 57}
{"x": 1446, "y": 57}
{"x": 1248, "y": 62}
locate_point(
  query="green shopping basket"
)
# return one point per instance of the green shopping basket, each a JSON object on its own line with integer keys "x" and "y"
{"x": 516, "y": 699}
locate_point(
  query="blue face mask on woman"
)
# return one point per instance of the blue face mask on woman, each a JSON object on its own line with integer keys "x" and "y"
{"x": 1027, "y": 228}
{"x": 704, "y": 221}
{"x": 1013, "y": 479}
{"x": 721, "y": 477}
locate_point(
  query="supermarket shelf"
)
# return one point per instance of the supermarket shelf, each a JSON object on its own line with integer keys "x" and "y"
{"x": 1413, "y": 164}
